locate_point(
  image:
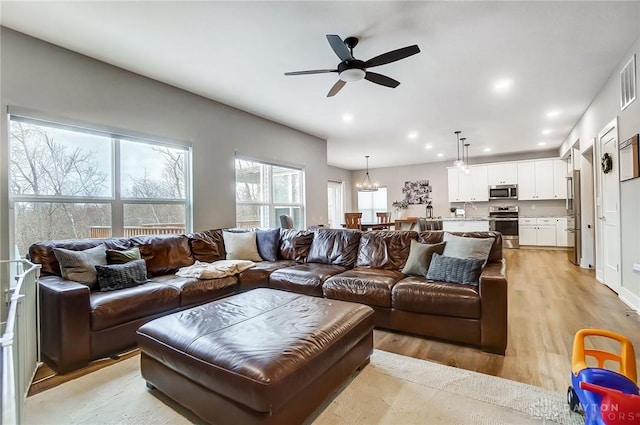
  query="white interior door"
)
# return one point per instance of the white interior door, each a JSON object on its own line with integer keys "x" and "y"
{"x": 610, "y": 208}
{"x": 335, "y": 215}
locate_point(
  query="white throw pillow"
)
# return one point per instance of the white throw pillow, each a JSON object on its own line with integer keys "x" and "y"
{"x": 241, "y": 246}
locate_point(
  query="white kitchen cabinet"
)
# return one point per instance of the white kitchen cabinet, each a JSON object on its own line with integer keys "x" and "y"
{"x": 502, "y": 173}
{"x": 539, "y": 231}
{"x": 536, "y": 180}
{"x": 561, "y": 232}
{"x": 559, "y": 179}
{"x": 465, "y": 225}
{"x": 472, "y": 187}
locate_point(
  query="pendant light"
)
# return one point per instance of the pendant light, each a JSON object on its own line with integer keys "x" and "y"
{"x": 366, "y": 185}
{"x": 458, "y": 162}
{"x": 467, "y": 169}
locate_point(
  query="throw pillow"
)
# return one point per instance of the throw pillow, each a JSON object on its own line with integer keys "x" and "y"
{"x": 462, "y": 247}
{"x": 241, "y": 246}
{"x": 455, "y": 270}
{"x": 120, "y": 257}
{"x": 120, "y": 276}
{"x": 268, "y": 243}
{"x": 420, "y": 257}
{"x": 79, "y": 266}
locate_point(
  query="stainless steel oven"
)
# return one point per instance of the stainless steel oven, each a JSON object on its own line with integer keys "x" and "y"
{"x": 503, "y": 191}
{"x": 505, "y": 221}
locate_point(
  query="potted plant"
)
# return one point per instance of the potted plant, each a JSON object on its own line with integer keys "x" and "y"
{"x": 400, "y": 207}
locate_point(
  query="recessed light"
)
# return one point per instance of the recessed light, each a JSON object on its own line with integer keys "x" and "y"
{"x": 487, "y": 149}
{"x": 542, "y": 143}
{"x": 554, "y": 113}
{"x": 546, "y": 131}
{"x": 503, "y": 85}
{"x": 428, "y": 146}
{"x": 412, "y": 135}
{"x": 440, "y": 154}
{"x": 347, "y": 117}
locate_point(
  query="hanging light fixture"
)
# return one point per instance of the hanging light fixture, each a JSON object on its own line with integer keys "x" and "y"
{"x": 463, "y": 167}
{"x": 366, "y": 185}
{"x": 458, "y": 162}
{"x": 467, "y": 169}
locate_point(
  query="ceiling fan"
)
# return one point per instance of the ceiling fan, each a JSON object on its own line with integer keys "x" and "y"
{"x": 352, "y": 69}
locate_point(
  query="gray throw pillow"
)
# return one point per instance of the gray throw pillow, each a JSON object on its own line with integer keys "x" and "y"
{"x": 420, "y": 257}
{"x": 455, "y": 270}
{"x": 462, "y": 247}
{"x": 268, "y": 243}
{"x": 120, "y": 276}
{"x": 115, "y": 256}
{"x": 79, "y": 266}
{"x": 241, "y": 246}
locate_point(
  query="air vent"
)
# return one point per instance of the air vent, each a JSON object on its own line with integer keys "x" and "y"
{"x": 628, "y": 83}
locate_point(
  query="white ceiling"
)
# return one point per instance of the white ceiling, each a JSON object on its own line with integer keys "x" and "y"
{"x": 558, "y": 55}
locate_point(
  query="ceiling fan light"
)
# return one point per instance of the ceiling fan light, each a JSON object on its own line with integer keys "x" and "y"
{"x": 351, "y": 75}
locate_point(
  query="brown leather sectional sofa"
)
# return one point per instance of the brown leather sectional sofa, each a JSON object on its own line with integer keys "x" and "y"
{"x": 79, "y": 325}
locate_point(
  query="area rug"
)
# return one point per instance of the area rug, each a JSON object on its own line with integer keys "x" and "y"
{"x": 391, "y": 390}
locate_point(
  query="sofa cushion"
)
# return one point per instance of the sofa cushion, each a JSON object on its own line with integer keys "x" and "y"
{"x": 80, "y": 266}
{"x": 164, "y": 254}
{"x": 416, "y": 294}
{"x": 114, "y": 308}
{"x": 335, "y": 246}
{"x": 116, "y": 256}
{"x": 268, "y": 242}
{"x": 119, "y": 276}
{"x": 241, "y": 246}
{"x": 207, "y": 246}
{"x": 363, "y": 285}
{"x": 463, "y": 247}
{"x": 304, "y": 278}
{"x": 197, "y": 291}
{"x": 420, "y": 257}
{"x": 455, "y": 270}
{"x": 295, "y": 244}
{"x": 386, "y": 250}
{"x": 258, "y": 276}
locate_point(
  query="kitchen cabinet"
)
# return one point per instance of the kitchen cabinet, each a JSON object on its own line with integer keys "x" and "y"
{"x": 539, "y": 231}
{"x": 561, "y": 232}
{"x": 472, "y": 187}
{"x": 502, "y": 173}
{"x": 541, "y": 179}
{"x": 465, "y": 225}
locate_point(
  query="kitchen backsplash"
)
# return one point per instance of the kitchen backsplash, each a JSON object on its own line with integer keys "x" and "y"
{"x": 547, "y": 208}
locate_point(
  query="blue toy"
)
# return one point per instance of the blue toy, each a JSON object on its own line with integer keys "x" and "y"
{"x": 590, "y": 402}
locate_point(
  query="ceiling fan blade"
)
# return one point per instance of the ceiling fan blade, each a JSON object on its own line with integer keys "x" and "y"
{"x": 313, "y": 71}
{"x": 336, "y": 88}
{"x": 383, "y": 80}
{"x": 339, "y": 47}
{"x": 392, "y": 56}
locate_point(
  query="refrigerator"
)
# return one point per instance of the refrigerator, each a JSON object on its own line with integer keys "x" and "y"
{"x": 574, "y": 235}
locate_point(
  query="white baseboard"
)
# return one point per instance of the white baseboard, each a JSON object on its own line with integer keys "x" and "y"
{"x": 630, "y": 299}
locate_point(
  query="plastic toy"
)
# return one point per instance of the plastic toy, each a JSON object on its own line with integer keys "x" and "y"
{"x": 623, "y": 381}
{"x": 616, "y": 408}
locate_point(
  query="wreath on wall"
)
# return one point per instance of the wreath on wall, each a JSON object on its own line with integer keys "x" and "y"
{"x": 607, "y": 163}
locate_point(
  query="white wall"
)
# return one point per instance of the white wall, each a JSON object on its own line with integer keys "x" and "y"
{"x": 51, "y": 80}
{"x": 605, "y": 107}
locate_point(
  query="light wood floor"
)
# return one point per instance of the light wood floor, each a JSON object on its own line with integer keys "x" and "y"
{"x": 549, "y": 300}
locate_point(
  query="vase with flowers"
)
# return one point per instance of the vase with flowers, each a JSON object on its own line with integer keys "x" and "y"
{"x": 400, "y": 208}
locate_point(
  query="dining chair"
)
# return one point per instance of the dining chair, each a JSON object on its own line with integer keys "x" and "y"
{"x": 423, "y": 224}
{"x": 353, "y": 220}
{"x": 384, "y": 217}
{"x": 286, "y": 221}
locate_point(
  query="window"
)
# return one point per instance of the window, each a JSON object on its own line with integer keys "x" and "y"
{"x": 369, "y": 203}
{"x": 71, "y": 182}
{"x": 264, "y": 192}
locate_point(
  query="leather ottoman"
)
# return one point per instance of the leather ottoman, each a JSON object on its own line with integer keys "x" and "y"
{"x": 260, "y": 357}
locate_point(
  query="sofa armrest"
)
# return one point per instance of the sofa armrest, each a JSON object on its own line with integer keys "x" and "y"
{"x": 64, "y": 323}
{"x": 493, "y": 304}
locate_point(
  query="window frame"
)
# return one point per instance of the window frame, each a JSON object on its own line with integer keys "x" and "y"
{"x": 115, "y": 199}
{"x": 270, "y": 204}
{"x": 371, "y": 208}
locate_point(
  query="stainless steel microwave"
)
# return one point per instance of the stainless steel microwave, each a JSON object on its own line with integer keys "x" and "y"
{"x": 503, "y": 191}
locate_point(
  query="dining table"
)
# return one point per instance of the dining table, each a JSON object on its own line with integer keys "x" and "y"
{"x": 375, "y": 226}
